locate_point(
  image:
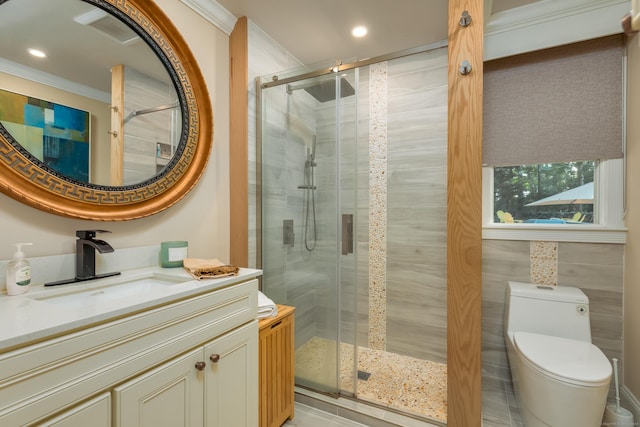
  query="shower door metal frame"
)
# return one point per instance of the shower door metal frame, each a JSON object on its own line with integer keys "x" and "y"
{"x": 275, "y": 81}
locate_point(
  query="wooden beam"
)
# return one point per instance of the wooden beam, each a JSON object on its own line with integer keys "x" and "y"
{"x": 117, "y": 125}
{"x": 238, "y": 143}
{"x": 464, "y": 213}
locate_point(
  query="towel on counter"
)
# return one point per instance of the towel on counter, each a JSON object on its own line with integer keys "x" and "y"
{"x": 202, "y": 269}
{"x": 266, "y": 307}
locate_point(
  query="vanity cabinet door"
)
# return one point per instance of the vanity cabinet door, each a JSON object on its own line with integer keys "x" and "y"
{"x": 170, "y": 395}
{"x": 231, "y": 380}
{"x": 95, "y": 413}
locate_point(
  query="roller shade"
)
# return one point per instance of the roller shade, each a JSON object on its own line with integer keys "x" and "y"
{"x": 555, "y": 105}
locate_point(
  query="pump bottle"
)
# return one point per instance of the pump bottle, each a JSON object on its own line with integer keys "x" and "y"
{"x": 18, "y": 272}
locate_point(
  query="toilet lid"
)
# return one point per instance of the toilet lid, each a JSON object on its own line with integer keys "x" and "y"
{"x": 568, "y": 360}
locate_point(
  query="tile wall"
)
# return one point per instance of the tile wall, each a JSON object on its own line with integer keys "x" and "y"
{"x": 595, "y": 268}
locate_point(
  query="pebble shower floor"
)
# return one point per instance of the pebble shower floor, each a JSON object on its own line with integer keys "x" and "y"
{"x": 411, "y": 385}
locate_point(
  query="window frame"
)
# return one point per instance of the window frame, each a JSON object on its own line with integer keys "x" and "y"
{"x": 609, "y": 210}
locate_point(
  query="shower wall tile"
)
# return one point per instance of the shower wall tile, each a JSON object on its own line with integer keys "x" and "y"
{"x": 416, "y": 248}
{"x": 405, "y": 197}
{"x": 421, "y": 320}
{"x": 402, "y": 97}
{"x": 289, "y": 129}
{"x": 418, "y": 154}
{"x": 544, "y": 263}
{"x": 378, "y": 205}
{"x": 426, "y": 256}
{"x": 265, "y": 56}
{"x": 426, "y": 61}
{"x": 430, "y": 348}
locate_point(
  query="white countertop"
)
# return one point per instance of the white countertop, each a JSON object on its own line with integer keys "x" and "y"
{"x": 30, "y": 317}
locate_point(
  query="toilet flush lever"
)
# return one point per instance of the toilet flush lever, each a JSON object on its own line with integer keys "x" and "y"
{"x": 582, "y": 309}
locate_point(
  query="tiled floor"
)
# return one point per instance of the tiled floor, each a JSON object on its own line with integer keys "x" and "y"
{"x": 405, "y": 383}
{"x": 305, "y": 416}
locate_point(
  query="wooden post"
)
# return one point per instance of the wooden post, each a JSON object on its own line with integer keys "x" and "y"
{"x": 238, "y": 144}
{"x": 464, "y": 215}
{"x": 117, "y": 125}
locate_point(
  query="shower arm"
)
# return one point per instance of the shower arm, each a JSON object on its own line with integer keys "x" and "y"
{"x": 150, "y": 110}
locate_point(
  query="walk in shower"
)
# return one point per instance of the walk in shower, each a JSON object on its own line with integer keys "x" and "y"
{"x": 353, "y": 218}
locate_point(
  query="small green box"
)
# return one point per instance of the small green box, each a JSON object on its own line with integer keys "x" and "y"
{"x": 172, "y": 253}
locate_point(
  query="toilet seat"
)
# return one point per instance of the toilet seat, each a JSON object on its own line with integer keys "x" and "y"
{"x": 571, "y": 361}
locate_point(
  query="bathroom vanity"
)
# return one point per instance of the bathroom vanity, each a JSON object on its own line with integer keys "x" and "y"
{"x": 152, "y": 347}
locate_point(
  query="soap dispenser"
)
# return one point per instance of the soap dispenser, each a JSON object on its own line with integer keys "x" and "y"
{"x": 18, "y": 272}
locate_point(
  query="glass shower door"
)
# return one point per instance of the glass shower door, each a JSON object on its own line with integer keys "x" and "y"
{"x": 308, "y": 255}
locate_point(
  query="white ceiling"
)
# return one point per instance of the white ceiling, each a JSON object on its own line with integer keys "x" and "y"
{"x": 320, "y": 30}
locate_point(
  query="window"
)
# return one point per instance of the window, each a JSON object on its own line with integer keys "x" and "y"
{"x": 548, "y": 113}
{"x": 548, "y": 193}
{"x": 603, "y": 223}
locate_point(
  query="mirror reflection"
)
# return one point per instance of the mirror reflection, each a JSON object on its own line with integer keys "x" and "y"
{"x": 99, "y": 107}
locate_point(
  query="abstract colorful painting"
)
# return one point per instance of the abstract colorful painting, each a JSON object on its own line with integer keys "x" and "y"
{"x": 55, "y": 134}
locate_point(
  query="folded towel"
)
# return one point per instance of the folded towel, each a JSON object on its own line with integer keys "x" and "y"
{"x": 266, "y": 307}
{"x": 202, "y": 269}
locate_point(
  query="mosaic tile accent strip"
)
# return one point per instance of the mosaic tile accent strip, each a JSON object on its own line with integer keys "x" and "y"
{"x": 544, "y": 263}
{"x": 377, "y": 205}
{"x": 400, "y": 382}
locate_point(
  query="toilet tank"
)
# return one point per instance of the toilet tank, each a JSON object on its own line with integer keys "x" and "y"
{"x": 561, "y": 311}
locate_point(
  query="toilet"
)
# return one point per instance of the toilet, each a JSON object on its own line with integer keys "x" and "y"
{"x": 559, "y": 377}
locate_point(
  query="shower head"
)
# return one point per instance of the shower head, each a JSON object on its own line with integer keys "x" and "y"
{"x": 325, "y": 90}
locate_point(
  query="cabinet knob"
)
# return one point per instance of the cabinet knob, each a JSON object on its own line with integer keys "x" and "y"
{"x": 214, "y": 357}
{"x": 200, "y": 366}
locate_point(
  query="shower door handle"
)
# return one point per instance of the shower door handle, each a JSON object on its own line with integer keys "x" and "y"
{"x": 347, "y": 234}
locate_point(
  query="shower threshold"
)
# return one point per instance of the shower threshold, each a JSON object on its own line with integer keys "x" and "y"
{"x": 359, "y": 411}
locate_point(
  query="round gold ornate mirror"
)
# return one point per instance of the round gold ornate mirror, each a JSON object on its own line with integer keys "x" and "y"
{"x": 25, "y": 176}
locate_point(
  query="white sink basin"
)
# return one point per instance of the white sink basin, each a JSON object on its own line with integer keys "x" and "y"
{"x": 127, "y": 288}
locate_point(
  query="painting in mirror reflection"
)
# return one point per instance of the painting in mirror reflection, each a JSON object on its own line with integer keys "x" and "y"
{"x": 55, "y": 134}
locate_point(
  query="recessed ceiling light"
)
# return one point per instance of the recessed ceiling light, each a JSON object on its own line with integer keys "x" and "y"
{"x": 38, "y": 53}
{"x": 359, "y": 31}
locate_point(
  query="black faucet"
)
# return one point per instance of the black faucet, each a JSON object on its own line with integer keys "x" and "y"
{"x": 86, "y": 247}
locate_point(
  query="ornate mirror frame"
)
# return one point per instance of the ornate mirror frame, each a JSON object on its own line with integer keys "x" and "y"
{"x": 31, "y": 182}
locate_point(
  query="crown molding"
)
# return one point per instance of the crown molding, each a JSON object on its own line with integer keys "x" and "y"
{"x": 548, "y": 23}
{"x": 28, "y": 73}
{"x": 213, "y": 12}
